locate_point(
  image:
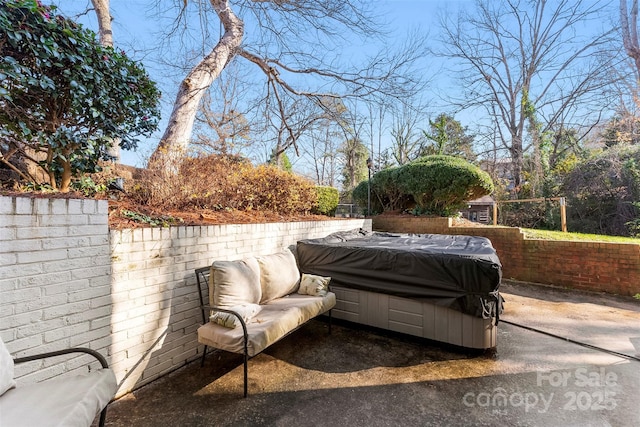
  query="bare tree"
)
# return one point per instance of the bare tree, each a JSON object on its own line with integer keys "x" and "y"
{"x": 407, "y": 140}
{"x": 630, "y": 84}
{"x": 629, "y": 25}
{"x": 229, "y": 125}
{"x": 283, "y": 28}
{"x": 221, "y": 123}
{"x": 517, "y": 59}
{"x": 105, "y": 34}
{"x": 322, "y": 153}
{"x": 320, "y": 148}
{"x": 104, "y": 21}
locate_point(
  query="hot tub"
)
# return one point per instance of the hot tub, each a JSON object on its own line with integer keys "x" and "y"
{"x": 440, "y": 287}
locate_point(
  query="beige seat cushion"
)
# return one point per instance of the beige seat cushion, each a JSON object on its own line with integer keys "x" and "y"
{"x": 67, "y": 401}
{"x": 279, "y": 275}
{"x": 277, "y": 318}
{"x": 233, "y": 283}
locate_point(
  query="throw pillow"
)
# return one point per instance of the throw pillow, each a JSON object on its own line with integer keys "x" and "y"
{"x": 6, "y": 369}
{"x": 279, "y": 275}
{"x": 228, "y": 320}
{"x": 317, "y": 286}
{"x": 234, "y": 283}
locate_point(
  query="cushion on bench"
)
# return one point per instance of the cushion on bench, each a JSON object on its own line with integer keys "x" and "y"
{"x": 234, "y": 283}
{"x": 66, "y": 401}
{"x": 277, "y": 319}
{"x": 279, "y": 275}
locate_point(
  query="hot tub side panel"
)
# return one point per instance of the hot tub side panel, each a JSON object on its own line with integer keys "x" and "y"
{"x": 414, "y": 317}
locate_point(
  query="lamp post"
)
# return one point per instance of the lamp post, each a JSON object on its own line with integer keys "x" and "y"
{"x": 369, "y": 166}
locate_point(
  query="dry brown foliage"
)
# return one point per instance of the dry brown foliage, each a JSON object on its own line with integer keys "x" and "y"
{"x": 207, "y": 190}
{"x": 217, "y": 182}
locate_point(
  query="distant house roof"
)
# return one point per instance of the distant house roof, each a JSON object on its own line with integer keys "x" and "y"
{"x": 484, "y": 200}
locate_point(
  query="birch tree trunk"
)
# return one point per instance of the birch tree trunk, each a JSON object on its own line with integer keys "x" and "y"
{"x": 176, "y": 138}
{"x": 104, "y": 22}
{"x": 106, "y": 39}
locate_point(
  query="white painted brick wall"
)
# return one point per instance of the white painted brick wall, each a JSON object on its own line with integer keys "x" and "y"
{"x": 54, "y": 278}
{"x": 66, "y": 280}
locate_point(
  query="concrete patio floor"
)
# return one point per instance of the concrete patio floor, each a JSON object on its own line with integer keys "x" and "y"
{"x": 365, "y": 377}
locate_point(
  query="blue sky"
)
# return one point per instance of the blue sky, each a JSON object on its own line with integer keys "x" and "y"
{"x": 135, "y": 29}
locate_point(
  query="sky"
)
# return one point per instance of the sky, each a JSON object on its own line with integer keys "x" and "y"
{"x": 135, "y": 29}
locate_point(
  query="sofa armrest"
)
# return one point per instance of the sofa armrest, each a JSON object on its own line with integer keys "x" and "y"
{"x": 89, "y": 351}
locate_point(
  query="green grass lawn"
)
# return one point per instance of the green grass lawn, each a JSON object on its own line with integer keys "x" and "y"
{"x": 559, "y": 235}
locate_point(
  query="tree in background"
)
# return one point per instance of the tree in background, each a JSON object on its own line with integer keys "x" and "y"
{"x": 622, "y": 130}
{"x": 281, "y": 28}
{"x": 221, "y": 127}
{"x": 354, "y": 169}
{"x": 281, "y": 161}
{"x": 449, "y": 137}
{"x": 322, "y": 151}
{"x": 406, "y": 141}
{"x": 603, "y": 192}
{"x": 515, "y": 56}
{"x": 301, "y": 117}
{"x": 629, "y": 25}
{"x": 63, "y": 97}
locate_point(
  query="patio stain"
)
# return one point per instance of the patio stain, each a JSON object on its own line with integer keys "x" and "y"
{"x": 366, "y": 377}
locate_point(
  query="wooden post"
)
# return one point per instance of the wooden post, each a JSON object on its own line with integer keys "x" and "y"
{"x": 495, "y": 213}
{"x": 563, "y": 214}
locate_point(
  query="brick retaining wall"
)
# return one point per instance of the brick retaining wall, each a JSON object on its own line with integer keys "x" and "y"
{"x": 593, "y": 266}
{"x": 66, "y": 280}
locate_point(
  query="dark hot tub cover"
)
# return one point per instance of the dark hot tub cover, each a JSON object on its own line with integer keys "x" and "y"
{"x": 459, "y": 272}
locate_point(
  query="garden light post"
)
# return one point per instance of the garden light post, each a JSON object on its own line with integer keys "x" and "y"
{"x": 369, "y": 165}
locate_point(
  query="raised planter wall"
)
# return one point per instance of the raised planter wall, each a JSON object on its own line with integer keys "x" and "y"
{"x": 66, "y": 280}
{"x": 592, "y": 266}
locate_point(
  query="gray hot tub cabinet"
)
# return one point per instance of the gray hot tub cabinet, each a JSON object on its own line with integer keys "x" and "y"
{"x": 440, "y": 287}
{"x": 415, "y": 318}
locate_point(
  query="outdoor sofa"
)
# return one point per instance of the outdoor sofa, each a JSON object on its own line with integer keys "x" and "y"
{"x": 256, "y": 301}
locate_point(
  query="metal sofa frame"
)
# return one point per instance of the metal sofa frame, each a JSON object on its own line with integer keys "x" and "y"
{"x": 202, "y": 279}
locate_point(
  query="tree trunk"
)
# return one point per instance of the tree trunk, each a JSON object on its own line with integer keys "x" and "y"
{"x": 106, "y": 39}
{"x": 65, "y": 178}
{"x": 517, "y": 160}
{"x": 175, "y": 140}
{"x": 630, "y": 32}
{"x": 104, "y": 22}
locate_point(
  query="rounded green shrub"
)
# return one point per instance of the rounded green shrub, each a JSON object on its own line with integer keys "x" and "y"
{"x": 441, "y": 185}
{"x": 435, "y": 185}
{"x": 328, "y": 198}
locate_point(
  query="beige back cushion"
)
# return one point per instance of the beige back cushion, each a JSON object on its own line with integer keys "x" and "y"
{"x": 279, "y": 275}
{"x": 234, "y": 283}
